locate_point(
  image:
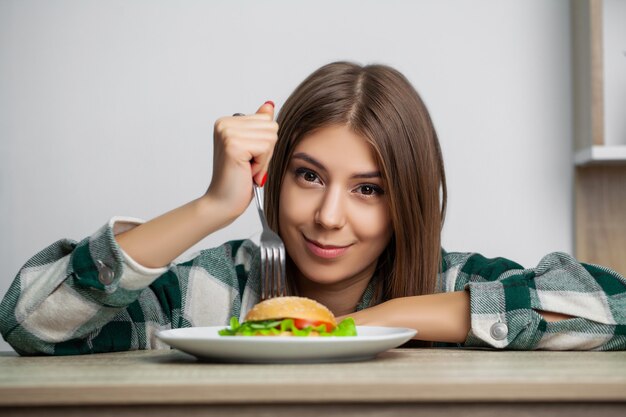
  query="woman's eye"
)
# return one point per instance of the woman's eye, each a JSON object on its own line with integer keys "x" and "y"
{"x": 307, "y": 175}
{"x": 370, "y": 189}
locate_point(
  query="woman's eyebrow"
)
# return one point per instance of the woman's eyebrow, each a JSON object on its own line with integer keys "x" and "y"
{"x": 308, "y": 158}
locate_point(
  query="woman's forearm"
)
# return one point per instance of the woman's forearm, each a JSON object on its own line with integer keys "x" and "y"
{"x": 161, "y": 240}
{"x": 443, "y": 317}
{"x": 242, "y": 148}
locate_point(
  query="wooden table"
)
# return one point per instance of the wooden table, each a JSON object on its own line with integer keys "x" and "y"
{"x": 400, "y": 382}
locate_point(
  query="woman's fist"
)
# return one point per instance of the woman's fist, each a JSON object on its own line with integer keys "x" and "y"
{"x": 242, "y": 149}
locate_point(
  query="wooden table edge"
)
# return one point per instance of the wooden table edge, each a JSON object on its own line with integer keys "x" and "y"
{"x": 246, "y": 394}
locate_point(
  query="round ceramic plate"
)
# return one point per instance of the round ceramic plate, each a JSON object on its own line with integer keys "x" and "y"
{"x": 206, "y": 343}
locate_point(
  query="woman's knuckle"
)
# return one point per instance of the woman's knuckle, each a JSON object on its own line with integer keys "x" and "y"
{"x": 219, "y": 123}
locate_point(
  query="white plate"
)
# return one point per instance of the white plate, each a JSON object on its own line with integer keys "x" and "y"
{"x": 206, "y": 343}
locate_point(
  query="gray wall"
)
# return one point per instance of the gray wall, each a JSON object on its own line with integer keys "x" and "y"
{"x": 614, "y": 71}
{"x": 107, "y": 107}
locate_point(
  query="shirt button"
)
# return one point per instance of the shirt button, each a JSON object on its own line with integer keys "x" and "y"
{"x": 499, "y": 331}
{"x": 105, "y": 274}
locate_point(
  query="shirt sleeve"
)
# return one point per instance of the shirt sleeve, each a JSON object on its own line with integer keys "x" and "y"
{"x": 88, "y": 297}
{"x": 505, "y": 297}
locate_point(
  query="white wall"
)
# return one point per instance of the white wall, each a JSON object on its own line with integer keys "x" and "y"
{"x": 106, "y": 108}
{"x": 614, "y": 71}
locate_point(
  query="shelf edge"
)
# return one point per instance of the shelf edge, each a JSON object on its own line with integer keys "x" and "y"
{"x": 615, "y": 154}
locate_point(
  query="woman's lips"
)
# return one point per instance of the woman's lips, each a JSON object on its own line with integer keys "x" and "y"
{"x": 325, "y": 251}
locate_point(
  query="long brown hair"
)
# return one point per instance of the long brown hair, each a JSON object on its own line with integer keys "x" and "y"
{"x": 380, "y": 104}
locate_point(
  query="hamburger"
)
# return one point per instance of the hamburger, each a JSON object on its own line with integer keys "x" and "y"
{"x": 290, "y": 316}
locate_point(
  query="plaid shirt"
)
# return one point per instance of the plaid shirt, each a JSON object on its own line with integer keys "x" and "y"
{"x": 89, "y": 297}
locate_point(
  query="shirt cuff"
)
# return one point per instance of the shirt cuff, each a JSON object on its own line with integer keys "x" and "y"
{"x": 98, "y": 262}
{"x": 502, "y": 315}
{"x": 123, "y": 224}
{"x": 137, "y": 276}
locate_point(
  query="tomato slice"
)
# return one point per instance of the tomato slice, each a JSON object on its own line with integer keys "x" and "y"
{"x": 302, "y": 323}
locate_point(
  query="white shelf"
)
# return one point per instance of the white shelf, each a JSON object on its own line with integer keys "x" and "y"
{"x": 600, "y": 155}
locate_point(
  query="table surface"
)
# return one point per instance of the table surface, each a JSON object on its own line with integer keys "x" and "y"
{"x": 399, "y": 375}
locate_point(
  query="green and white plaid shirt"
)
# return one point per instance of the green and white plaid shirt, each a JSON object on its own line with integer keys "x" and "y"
{"x": 90, "y": 297}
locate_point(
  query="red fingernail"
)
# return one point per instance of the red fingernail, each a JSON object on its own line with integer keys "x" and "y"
{"x": 270, "y": 102}
{"x": 264, "y": 179}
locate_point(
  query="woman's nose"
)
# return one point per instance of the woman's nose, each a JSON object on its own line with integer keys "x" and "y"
{"x": 331, "y": 211}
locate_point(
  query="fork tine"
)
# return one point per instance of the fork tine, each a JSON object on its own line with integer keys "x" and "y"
{"x": 275, "y": 272}
{"x": 283, "y": 273}
{"x": 263, "y": 275}
{"x": 277, "y": 275}
{"x": 268, "y": 273}
{"x": 269, "y": 276}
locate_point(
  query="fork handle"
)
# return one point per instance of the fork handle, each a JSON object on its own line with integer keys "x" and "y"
{"x": 257, "y": 194}
{"x": 259, "y": 204}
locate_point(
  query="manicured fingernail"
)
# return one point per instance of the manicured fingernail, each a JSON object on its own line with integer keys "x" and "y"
{"x": 270, "y": 102}
{"x": 264, "y": 179}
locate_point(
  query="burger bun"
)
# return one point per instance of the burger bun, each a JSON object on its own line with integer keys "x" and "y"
{"x": 291, "y": 308}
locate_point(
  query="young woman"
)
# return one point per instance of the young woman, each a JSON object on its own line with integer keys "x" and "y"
{"x": 356, "y": 189}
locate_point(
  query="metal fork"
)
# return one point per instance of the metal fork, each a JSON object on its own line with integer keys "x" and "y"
{"x": 272, "y": 256}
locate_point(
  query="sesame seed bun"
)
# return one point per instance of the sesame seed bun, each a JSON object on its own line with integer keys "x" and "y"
{"x": 291, "y": 308}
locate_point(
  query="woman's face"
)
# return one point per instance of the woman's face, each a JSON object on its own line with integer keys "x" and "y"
{"x": 333, "y": 211}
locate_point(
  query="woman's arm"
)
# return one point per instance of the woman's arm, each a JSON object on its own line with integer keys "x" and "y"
{"x": 242, "y": 151}
{"x": 443, "y": 317}
{"x": 90, "y": 296}
{"x": 156, "y": 243}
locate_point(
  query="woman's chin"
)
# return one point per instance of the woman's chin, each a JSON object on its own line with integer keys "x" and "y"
{"x": 320, "y": 276}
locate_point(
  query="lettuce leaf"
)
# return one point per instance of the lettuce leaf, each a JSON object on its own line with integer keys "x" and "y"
{"x": 347, "y": 327}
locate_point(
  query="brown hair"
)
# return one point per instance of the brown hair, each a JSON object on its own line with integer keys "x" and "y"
{"x": 380, "y": 104}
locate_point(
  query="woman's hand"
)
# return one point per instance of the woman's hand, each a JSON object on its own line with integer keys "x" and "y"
{"x": 242, "y": 149}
